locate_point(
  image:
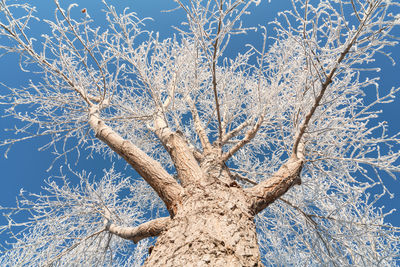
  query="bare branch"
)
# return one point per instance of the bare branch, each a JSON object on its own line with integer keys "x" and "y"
{"x": 214, "y": 73}
{"x": 281, "y": 181}
{"x": 151, "y": 171}
{"x": 205, "y": 142}
{"x": 149, "y": 229}
{"x": 235, "y": 131}
{"x": 237, "y": 176}
{"x": 184, "y": 160}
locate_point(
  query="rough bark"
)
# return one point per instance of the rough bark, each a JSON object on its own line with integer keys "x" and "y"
{"x": 212, "y": 220}
{"x": 148, "y": 229}
{"x": 281, "y": 181}
{"x": 151, "y": 170}
{"x": 271, "y": 189}
{"x": 186, "y": 165}
{"x": 214, "y": 226}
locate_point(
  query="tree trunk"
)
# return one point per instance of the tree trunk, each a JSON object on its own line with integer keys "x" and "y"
{"x": 214, "y": 226}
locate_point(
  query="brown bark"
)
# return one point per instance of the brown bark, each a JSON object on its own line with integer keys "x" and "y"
{"x": 212, "y": 220}
{"x": 271, "y": 189}
{"x": 151, "y": 170}
{"x": 185, "y": 162}
{"x": 214, "y": 226}
{"x": 148, "y": 229}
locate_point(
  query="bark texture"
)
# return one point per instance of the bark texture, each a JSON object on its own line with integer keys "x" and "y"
{"x": 151, "y": 170}
{"x": 212, "y": 217}
{"x": 269, "y": 190}
{"x": 213, "y": 227}
{"x": 148, "y": 229}
{"x": 214, "y": 224}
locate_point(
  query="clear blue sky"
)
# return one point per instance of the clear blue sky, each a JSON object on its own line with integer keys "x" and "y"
{"x": 26, "y": 166}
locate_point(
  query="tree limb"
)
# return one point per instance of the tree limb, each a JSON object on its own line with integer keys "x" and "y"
{"x": 239, "y": 177}
{"x": 266, "y": 192}
{"x": 288, "y": 174}
{"x": 328, "y": 80}
{"x": 248, "y": 137}
{"x": 148, "y": 229}
{"x": 151, "y": 170}
{"x": 205, "y": 142}
{"x": 226, "y": 137}
{"x": 214, "y": 74}
{"x": 184, "y": 160}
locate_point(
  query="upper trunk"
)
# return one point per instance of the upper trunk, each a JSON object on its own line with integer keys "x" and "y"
{"x": 214, "y": 226}
{"x": 212, "y": 217}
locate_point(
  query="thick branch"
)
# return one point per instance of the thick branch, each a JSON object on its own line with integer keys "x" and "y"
{"x": 205, "y": 142}
{"x": 151, "y": 170}
{"x": 266, "y": 192}
{"x": 181, "y": 154}
{"x": 145, "y": 230}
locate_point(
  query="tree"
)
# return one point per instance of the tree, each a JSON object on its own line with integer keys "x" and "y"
{"x": 276, "y": 151}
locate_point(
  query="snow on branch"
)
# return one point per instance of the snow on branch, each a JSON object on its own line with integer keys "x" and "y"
{"x": 304, "y": 113}
{"x": 66, "y": 222}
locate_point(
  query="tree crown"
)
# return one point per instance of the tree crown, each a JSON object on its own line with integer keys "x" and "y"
{"x": 299, "y": 96}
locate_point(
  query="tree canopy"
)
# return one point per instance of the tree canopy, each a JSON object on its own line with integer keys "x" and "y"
{"x": 298, "y": 101}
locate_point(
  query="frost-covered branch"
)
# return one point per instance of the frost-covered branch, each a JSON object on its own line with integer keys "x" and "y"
{"x": 250, "y": 134}
{"x": 330, "y": 73}
{"x": 186, "y": 108}
{"x": 66, "y": 221}
{"x": 205, "y": 142}
{"x": 235, "y": 131}
{"x": 216, "y": 46}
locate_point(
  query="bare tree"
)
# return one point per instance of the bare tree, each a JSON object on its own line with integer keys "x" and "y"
{"x": 219, "y": 142}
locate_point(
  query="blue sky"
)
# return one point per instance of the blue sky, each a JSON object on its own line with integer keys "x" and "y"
{"x": 26, "y": 166}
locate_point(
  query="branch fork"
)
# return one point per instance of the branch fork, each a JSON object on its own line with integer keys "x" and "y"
{"x": 150, "y": 170}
